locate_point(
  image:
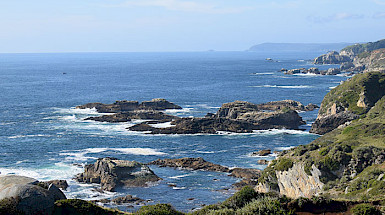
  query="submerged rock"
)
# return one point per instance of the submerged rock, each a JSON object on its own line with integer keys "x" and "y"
{"x": 62, "y": 184}
{"x": 111, "y": 173}
{"x": 27, "y": 195}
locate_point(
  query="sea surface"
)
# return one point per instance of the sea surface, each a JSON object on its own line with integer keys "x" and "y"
{"x": 43, "y": 136}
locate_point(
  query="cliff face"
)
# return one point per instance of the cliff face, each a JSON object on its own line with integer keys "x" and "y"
{"x": 347, "y": 162}
{"x": 349, "y": 101}
{"x": 295, "y": 182}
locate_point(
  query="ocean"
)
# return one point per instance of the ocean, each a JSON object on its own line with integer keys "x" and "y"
{"x": 43, "y": 136}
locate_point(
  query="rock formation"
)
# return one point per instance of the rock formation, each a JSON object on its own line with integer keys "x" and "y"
{"x": 135, "y": 114}
{"x": 29, "y": 196}
{"x": 190, "y": 164}
{"x": 111, "y": 173}
{"x": 332, "y": 58}
{"x": 348, "y": 101}
{"x": 124, "y": 106}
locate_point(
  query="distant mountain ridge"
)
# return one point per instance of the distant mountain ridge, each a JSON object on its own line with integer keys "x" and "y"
{"x": 299, "y": 47}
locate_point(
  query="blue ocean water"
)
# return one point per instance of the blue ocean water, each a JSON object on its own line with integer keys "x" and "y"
{"x": 43, "y": 136}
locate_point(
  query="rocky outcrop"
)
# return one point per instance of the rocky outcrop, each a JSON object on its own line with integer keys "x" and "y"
{"x": 123, "y": 106}
{"x": 286, "y": 104}
{"x": 128, "y": 199}
{"x": 245, "y": 122}
{"x": 28, "y": 196}
{"x": 332, "y": 58}
{"x": 190, "y": 164}
{"x": 263, "y": 152}
{"x": 371, "y": 61}
{"x": 62, "y": 184}
{"x": 111, "y": 173}
{"x": 328, "y": 123}
{"x": 136, "y": 114}
{"x": 348, "y": 101}
{"x": 248, "y": 176}
{"x": 295, "y": 182}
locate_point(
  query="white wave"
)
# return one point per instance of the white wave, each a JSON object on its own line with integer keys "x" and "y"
{"x": 176, "y": 111}
{"x": 162, "y": 125}
{"x": 333, "y": 87}
{"x": 263, "y": 73}
{"x": 284, "y": 148}
{"x": 205, "y": 152}
{"x": 206, "y": 106}
{"x": 179, "y": 176}
{"x": 179, "y": 188}
{"x": 31, "y": 135}
{"x": 73, "y": 110}
{"x": 280, "y": 131}
{"x": 138, "y": 151}
{"x": 56, "y": 171}
{"x": 7, "y": 123}
{"x": 81, "y": 155}
{"x": 283, "y": 86}
{"x": 307, "y": 74}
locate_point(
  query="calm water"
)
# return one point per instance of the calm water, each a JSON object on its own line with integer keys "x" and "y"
{"x": 43, "y": 136}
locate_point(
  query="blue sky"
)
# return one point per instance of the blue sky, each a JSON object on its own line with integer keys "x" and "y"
{"x": 183, "y": 25}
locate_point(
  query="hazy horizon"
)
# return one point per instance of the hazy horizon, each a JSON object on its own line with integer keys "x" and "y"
{"x": 43, "y": 26}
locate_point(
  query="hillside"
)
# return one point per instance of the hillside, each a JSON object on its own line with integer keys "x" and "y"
{"x": 357, "y": 49}
{"x": 346, "y": 163}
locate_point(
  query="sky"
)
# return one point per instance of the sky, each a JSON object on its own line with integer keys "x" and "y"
{"x": 183, "y": 25}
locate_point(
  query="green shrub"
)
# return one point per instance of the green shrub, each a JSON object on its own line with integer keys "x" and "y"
{"x": 324, "y": 152}
{"x": 365, "y": 209}
{"x": 158, "y": 209}
{"x": 284, "y": 164}
{"x": 265, "y": 206}
{"x": 81, "y": 207}
{"x": 8, "y": 206}
{"x": 240, "y": 198}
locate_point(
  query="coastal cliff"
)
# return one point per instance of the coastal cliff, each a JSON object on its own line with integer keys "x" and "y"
{"x": 348, "y": 161}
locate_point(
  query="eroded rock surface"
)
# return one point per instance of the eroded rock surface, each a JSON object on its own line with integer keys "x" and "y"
{"x": 191, "y": 164}
{"x": 111, "y": 173}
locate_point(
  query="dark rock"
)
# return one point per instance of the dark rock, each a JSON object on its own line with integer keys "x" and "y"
{"x": 328, "y": 123}
{"x": 190, "y": 199}
{"x": 263, "y": 162}
{"x": 281, "y": 105}
{"x": 158, "y": 104}
{"x": 333, "y": 71}
{"x": 111, "y": 172}
{"x": 118, "y": 106}
{"x": 123, "y": 106}
{"x": 283, "y": 70}
{"x": 311, "y": 107}
{"x": 127, "y": 199}
{"x": 293, "y": 71}
{"x": 312, "y": 70}
{"x": 264, "y": 152}
{"x": 136, "y": 114}
{"x": 245, "y": 182}
{"x": 62, "y": 184}
{"x": 233, "y": 110}
{"x": 346, "y": 66}
{"x": 245, "y": 173}
{"x": 332, "y": 58}
{"x": 29, "y": 196}
{"x": 190, "y": 163}
{"x": 245, "y": 122}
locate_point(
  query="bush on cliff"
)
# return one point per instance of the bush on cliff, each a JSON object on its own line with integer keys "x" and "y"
{"x": 158, "y": 209}
{"x": 81, "y": 207}
{"x": 365, "y": 209}
{"x": 8, "y": 206}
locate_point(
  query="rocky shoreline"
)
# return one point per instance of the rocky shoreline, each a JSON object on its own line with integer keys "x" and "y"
{"x": 238, "y": 117}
